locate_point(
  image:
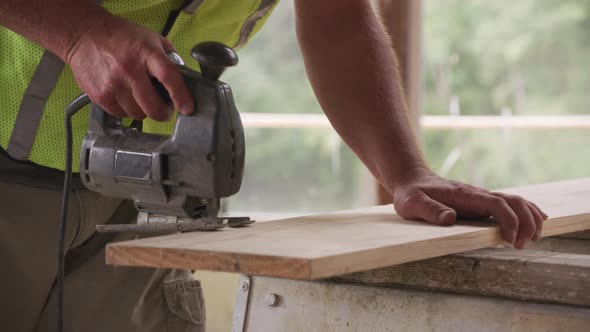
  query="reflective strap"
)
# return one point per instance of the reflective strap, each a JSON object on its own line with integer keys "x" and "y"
{"x": 32, "y": 105}
{"x": 192, "y": 6}
{"x": 264, "y": 7}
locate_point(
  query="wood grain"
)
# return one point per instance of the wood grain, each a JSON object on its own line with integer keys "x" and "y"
{"x": 320, "y": 246}
{"x": 534, "y": 275}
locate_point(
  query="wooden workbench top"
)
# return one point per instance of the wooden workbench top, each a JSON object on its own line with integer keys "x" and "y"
{"x": 326, "y": 245}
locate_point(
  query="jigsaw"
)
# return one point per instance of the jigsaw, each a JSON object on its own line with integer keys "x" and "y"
{"x": 175, "y": 181}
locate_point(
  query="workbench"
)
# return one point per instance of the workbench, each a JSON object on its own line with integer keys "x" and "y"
{"x": 543, "y": 288}
{"x": 370, "y": 270}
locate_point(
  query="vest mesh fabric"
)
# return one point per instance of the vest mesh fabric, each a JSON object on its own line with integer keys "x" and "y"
{"x": 217, "y": 20}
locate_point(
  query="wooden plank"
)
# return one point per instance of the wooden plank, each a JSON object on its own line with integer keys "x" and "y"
{"x": 321, "y": 246}
{"x": 533, "y": 275}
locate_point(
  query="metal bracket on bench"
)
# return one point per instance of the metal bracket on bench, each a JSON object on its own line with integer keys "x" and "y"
{"x": 241, "y": 306}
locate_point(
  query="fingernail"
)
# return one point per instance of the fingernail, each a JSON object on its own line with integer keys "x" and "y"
{"x": 537, "y": 235}
{"x": 186, "y": 109}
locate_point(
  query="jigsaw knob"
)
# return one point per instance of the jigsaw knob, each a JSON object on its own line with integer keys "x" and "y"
{"x": 214, "y": 57}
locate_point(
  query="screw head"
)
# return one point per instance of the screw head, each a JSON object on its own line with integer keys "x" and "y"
{"x": 272, "y": 299}
{"x": 245, "y": 286}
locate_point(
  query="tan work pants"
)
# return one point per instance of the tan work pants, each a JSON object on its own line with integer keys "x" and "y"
{"x": 97, "y": 297}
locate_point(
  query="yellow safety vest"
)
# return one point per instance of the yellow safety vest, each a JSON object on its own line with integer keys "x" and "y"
{"x": 35, "y": 87}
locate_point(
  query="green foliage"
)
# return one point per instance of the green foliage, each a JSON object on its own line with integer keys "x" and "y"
{"x": 292, "y": 170}
{"x": 271, "y": 77}
{"x": 528, "y": 56}
{"x": 287, "y": 170}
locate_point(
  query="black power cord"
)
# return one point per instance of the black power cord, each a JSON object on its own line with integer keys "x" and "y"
{"x": 71, "y": 110}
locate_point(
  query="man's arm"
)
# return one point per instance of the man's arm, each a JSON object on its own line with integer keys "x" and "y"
{"x": 353, "y": 71}
{"x": 111, "y": 58}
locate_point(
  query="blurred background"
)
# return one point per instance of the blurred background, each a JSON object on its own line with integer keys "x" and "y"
{"x": 500, "y": 91}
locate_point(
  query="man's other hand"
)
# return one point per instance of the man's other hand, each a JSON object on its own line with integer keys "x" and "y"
{"x": 439, "y": 201}
{"x": 113, "y": 62}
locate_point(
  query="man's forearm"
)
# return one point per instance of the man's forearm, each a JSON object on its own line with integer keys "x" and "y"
{"x": 353, "y": 70}
{"x": 55, "y": 25}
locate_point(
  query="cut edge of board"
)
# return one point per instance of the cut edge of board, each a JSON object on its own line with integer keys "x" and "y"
{"x": 120, "y": 254}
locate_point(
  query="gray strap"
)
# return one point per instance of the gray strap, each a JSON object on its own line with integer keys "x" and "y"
{"x": 32, "y": 105}
{"x": 264, "y": 7}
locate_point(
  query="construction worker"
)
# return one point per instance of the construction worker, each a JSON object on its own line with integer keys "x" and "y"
{"x": 51, "y": 50}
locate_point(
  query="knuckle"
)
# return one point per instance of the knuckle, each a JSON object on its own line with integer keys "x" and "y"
{"x": 526, "y": 232}
{"x": 527, "y": 221}
{"x": 407, "y": 205}
{"x": 126, "y": 68}
{"x": 104, "y": 96}
{"x": 413, "y": 199}
{"x": 110, "y": 86}
{"x": 516, "y": 200}
{"x": 463, "y": 190}
{"x": 455, "y": 183}
{"x": 522, "y": 206}
{"x": 481, "y": 190}
{"x": 118, "y": 69}
{"x": 471, "y": 188}
{"x": 145, "y": 49}
{"x": 517, "y": 197}
{"x": 511, "y": 221}
{"x": 432, "y": 206}
{"x": 498, "y": 202}
{"x": 528, "y": 226}
{"x": 170, "y": 76}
